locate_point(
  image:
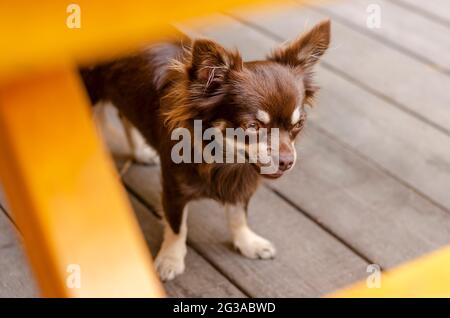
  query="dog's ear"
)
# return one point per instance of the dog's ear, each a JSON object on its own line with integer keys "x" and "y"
{"x": 206, "y": 71}
{"x": 304, "y": 52}
{"x": 211, "y": 62}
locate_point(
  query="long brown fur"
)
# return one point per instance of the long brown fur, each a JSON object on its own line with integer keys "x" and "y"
{"x": 172, "y": 83}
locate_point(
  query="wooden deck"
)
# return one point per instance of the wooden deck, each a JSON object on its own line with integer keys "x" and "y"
{"x": 372, "y": 185}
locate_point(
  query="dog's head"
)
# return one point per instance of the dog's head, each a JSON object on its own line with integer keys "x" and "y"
{"x": 225, "y": 92}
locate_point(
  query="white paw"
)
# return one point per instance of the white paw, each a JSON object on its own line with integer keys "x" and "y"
{"x": 254, "y": 246}
{"x": 146, "y": 155}
{"x": 169, "y": 265}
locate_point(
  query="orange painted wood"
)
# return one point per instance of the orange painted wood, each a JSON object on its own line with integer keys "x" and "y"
{"x": 37, "y": 34}
{"x": 65, "y": 194}
{"x": 427, "y": 276}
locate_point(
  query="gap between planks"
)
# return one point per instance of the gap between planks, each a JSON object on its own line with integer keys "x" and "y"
{"x": 405, "y": 49}
{"x": 15, "y": 277}
{"x": 430, "y": 14}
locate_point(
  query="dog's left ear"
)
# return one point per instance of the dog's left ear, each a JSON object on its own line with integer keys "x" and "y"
{"x": 211, "y": 63}
{"x": 304, "y": 52}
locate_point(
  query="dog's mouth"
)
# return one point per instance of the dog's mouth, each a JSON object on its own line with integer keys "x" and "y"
{"x": 275, "y": 175}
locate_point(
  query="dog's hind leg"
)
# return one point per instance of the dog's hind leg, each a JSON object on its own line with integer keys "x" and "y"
{"x": 244, "y": 239}
{"x": 140, "y": 150}
{"x": 170, "y": 259}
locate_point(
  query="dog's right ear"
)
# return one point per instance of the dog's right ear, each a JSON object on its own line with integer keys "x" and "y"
{"x": 303, "y": 53}
{"x": 211, "y": 62}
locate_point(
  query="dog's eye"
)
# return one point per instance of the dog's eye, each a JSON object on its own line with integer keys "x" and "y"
{"x": 299, "y": 125}
{"x": 252, "y": 125}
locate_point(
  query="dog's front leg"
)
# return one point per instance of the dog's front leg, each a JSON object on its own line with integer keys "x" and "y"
{"x": 170, "y": 259}
{"x": 245, "y": 240}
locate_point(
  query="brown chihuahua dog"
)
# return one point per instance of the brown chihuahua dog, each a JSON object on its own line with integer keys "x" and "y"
{"x": 170, "y": 86}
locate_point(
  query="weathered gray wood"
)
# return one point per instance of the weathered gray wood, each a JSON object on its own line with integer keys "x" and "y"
{"x": 436, "y": 10}
{"x": 400, "y": 28}
{"x": 309, "y": 262}
{"x": 15, "y": 277}
{"x": 377, "y": 215}
{"x": 406, "y": 147}
{"x": 408, "y": 83}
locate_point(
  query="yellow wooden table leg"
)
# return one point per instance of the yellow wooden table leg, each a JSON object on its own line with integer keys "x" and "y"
{"x": 427, "y": 276}
{"x": 79, "y": 231}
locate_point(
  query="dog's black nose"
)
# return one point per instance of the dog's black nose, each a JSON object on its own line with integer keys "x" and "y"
{"x": 286, "y": 162}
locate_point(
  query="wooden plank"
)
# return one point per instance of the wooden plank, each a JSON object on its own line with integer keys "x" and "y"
{"x": 425, "y": 277}
{"x": 376, "y": 67}
{"x": 309, "y": 261}
{"x": 436, "y": 10}
{"x": 404, "y": 146}
{"x": 380, "y": 217}
{"x": 61, "y": 201}
{"x": 15, "y": 276}
{"x": 407, "y": 148}
{"x": 200, "y": 278}
{"x": 402, "y": 29}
